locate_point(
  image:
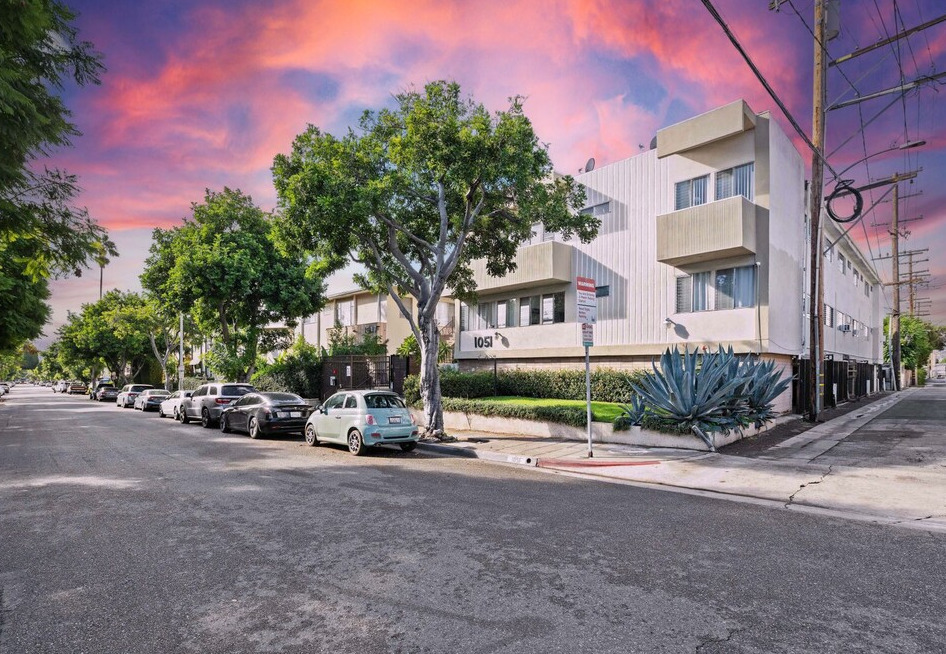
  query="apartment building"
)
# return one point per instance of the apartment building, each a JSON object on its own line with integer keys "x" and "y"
{"x": 703, "y": 242}
{"x": 364, "y": 314}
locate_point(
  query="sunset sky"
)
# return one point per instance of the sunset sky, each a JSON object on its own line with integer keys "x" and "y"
{"x": 203, "y": 93}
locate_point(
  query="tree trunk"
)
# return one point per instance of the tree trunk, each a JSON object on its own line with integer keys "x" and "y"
{"x": 430, "y": 377}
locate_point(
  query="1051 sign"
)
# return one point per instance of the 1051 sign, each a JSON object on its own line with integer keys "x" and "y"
{"x": 482, "y": 342}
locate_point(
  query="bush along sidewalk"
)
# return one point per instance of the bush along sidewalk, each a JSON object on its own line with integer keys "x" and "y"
{"x": 704, "y": 394}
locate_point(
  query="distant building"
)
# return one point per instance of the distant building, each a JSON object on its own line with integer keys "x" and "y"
{"x": 703, "y": 242}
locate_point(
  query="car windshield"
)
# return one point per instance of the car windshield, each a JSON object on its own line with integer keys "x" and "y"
{"x": 138, "y": 389}
{"x": 383, "y": 402}
{"x": 284, "y": 398}
{"x": 236, "y": 391}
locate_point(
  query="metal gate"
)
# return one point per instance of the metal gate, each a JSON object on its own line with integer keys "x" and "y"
{"x": 364, "y": 372}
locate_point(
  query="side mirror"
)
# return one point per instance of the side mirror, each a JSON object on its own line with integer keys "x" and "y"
{"x": 321, "y": 409}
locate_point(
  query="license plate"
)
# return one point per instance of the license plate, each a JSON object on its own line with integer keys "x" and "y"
{"x": 394, "y": 420}
{"x": 295, "y": 414}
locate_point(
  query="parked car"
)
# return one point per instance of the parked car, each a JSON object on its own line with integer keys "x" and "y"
{"x": 362, "y": 419}
{"x": 94, "y": 390}
{"x": 209, "y": 400}
{"x": 78, "y": 388}
{"x": 6, "y": 386}
{"x": 150, "y": 399}
{"x": 61, "y": 386}
{"x": 265, "y": 414}
{"x": 106, "y": 394}
{"x": 126, "y": 397}
{"x": 172, "y": 404}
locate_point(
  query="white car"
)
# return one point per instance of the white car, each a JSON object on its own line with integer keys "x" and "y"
{"x": 129, "y": 392}
{"x": 171, "y": 405}
{"x": 150, "y": 399}
{"x": 61, "y": 386}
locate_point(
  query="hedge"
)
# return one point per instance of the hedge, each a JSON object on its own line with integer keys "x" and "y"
{"x": 606, "y": 385}
{"x": 574, "y": 416}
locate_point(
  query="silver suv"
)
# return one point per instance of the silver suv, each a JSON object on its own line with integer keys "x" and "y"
{"x": 208, "y": 402}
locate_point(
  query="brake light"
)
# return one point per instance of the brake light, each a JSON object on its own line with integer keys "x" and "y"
{"x": 222, "y": 400}
{"x": 369, "y": 419}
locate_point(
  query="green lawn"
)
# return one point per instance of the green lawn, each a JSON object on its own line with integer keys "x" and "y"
{"x": 600, "y": 411}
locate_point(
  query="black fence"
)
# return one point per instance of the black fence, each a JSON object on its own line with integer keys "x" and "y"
{"x": 842, "y": 381}
{"x": 364, "y": 372}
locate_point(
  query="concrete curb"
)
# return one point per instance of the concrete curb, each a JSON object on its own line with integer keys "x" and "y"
{"x": 468, "y": 452}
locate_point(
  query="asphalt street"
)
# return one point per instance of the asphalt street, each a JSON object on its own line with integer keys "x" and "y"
{"x": 124, "y": 532}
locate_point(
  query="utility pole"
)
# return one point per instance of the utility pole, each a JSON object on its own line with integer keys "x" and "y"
{"x": 816, "y": 281}
{"x": 895, "y": 309}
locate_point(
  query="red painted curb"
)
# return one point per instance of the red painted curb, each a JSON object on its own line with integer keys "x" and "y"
{"x": 589, "y": 463}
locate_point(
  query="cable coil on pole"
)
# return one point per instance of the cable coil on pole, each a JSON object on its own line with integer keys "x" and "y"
{"x": 845, "y": 187}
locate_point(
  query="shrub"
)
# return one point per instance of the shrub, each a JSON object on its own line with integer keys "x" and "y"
{"x": 921, "y": 377}
{"x": 298, "y": 370}
{"x": 574, "y": 416}
{"x": 606, "y": 385}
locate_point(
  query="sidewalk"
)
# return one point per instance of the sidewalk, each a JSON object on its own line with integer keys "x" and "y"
{"x": 884, "y": 462}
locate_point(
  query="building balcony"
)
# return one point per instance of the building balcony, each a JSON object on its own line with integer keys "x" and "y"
{"x": 536, "y": 265}
{"x": 718, "y": 230}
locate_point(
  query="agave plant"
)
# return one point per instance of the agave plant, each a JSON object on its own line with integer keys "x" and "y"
{"x": 692, "y": 390}
{"x": 708, "y": 393}
{"x": 766, "y": 384}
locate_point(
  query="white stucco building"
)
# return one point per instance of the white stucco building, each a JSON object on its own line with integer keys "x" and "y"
{"x": 703, "y": 242}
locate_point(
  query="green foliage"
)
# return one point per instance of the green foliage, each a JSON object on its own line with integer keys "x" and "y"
{"x": 298, "y": 370}
{"x": 606, "y": 385}
{"x": 42, "y": 234}
{"x": 341, "y": 342}
{"x": 921, "y": 377}
{"x": 714, "y": 392}
{"x": 410, "y": 348}
{"x": 574, "y": 416}
{"x": 113, "y": 331}
{"x": 418, "y": 193}
{"x": 224, "y": 268}
{"x": 23, "y": 308}
{"x": 918, "y": 339}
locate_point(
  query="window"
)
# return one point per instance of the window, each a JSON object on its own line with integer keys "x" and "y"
{"x": 597, "y": 210}
{"x": 701, "y": 283}
{"x": 553, "y": 308}
{"x": 684, "y": 294}
{"x": 736, "y": 181}
{"x": 529, "y": 311}
{"x": 841, "y": 263}
{"x": 829, "y": 255}
{"x": 735, "y": 287}
{"x": 690, "y": 193}
{"x": 351, "y": 402}
{"x": 345, "y": 312}
{"x": 602, "y": 291}
{"x": 502, "y": 319}
{"x": 486, "y": 315}
{"x": 828, "y": 316}
{"x": 335, "y": 402}
{"x": 866, "y": 289}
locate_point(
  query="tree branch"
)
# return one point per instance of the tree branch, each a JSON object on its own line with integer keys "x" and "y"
{"x": 395, "y": 225}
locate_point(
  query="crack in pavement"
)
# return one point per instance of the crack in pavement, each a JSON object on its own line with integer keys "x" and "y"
{"x": 717, "y": 641}
{"x": 791, "y": 498}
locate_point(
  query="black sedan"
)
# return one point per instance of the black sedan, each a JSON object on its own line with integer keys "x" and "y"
{"x": 265, "y": 414}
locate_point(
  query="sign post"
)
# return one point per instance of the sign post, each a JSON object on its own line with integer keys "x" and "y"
{"x": 587, "y": 305}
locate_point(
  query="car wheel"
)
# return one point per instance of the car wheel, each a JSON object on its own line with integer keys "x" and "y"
{"x": 160, "y": 412}
{"x": 205, "y": 418}
{"x": 311, "y": 437}
{"x": 356, "y": 444}
{"x": 224, "y": 424}
{"x": 182, "y": 416}
{"x": 253, "y": 428}
{"x": 408, "y": 447}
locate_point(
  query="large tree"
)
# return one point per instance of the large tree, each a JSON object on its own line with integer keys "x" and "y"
{"x": 222, "y": 267}
{"x": 417, "y": 194}
{"x": 42, "y": 233}
{"x": 113, "y": 331}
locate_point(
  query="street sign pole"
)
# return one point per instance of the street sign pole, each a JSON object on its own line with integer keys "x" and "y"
{"x": 588, "y": 395}
{"x": 587, "y": 309}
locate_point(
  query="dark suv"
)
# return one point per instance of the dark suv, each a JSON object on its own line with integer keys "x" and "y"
{"x": 208, "y": 401}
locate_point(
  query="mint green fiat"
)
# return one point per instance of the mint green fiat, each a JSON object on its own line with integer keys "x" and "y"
{"x": 363, "y": 419}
